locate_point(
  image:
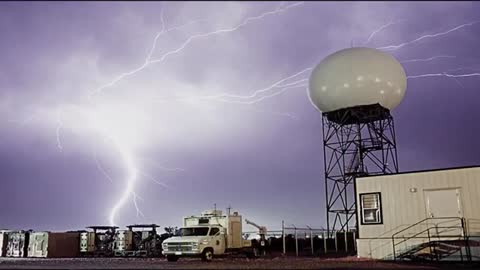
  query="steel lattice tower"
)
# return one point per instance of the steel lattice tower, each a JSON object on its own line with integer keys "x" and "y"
{"x": 357, "y": 141}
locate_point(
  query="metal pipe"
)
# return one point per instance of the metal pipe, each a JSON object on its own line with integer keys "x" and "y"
{"x": 324, "y": 242}
{"x": 430, "y": 243}
{"x": 346, "y": 241}
{"x": 296, "y": 242}
{"x": 336, "y": 242}
{"x": 393, "y": 246}
{"x": 311, "y": 242}
{"x": 354, "y": 241}
{"x": 283, "y": 236}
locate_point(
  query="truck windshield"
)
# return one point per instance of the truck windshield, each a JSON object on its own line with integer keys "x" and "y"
{"x": 197, "y": 231}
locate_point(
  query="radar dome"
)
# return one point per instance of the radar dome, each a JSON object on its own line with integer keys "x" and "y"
{"x": 357, "y": 76}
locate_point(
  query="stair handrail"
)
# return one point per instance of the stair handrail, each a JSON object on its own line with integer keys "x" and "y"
{"x": 423, "y": 220}
{"x": 430, "y": 235}
{"x": 426, "y": 230}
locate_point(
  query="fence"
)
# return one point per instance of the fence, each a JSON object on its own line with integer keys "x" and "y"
{"x": 308, "y": 241}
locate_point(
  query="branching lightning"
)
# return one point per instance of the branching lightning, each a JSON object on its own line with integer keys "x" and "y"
{"x": 153, "y": 179}
{"x": 227, "y": 30}
{"x": 427, "y": 59}
{"x": 100, "y": 167}
{"x": 132, "y": 172}
{"x": 125, "y": 153}
{"x": 149, "y": 61}
{"x": 263, "y": 97}
{"x": 443, "y": 75}
{"x": 401, "y": 45}
{"x": 255, "y": 93}
{"x": 135, "y": 196}
{"x": 383, "y": 27}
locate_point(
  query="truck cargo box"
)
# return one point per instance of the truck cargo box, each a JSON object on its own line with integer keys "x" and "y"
{"x": 17, "y": 244}
{"x": 54, "y": 245}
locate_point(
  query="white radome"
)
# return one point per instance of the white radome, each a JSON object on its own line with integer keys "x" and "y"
{"x": 357, "y": 76}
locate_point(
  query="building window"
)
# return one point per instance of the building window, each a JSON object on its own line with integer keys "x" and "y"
{"x": 371, "y": 208}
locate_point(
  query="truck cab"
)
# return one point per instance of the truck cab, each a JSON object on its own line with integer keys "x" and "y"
{"x": 210, "y": 234}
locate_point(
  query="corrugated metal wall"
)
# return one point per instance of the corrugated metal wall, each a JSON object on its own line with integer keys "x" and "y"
{"x": 401, "y": 207}
{"x": 54, "y": 245}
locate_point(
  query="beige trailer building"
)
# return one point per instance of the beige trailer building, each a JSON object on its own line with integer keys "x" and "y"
{"x": 419, "y": 215}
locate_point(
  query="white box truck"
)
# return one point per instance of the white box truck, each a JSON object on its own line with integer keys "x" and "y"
{"x": 210, "y": 234}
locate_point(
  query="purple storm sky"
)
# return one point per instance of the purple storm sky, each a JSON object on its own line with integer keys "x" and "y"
{"x": 65, "y": 157}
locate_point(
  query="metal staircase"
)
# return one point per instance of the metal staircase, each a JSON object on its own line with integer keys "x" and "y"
{"x": 442, "y": 239}
{"x": 433, "y": 251}
{"x": 355, "y": 166}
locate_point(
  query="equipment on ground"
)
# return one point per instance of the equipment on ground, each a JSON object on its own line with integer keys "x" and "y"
{"x": 98, "y": 242}
{"x": 17, "y": 245}
{"x": 262, "y": 242}
{"x": 139, "y": 240}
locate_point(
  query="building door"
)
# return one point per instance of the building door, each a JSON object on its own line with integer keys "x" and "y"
{"x": 443, "y": 207}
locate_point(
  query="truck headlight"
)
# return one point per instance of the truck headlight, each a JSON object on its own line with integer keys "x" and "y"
{"x": 194, "y": 245}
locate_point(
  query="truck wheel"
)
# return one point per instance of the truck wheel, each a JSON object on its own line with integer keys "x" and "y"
{"x": 172, "y": 258}
{"x": 207, "y": 255}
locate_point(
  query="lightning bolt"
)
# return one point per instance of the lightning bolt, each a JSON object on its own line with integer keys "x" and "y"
{"x": 192, "y": 38}
{"x": 227, "y": 30}
{"x": 58, "y": 129}
{"x": 132, "y": 175}
{"x": 153, "y": 179}
{"x": 100, "y": 168}
{"x": 383, "y": 27}
{"x": 399, "y": 46}
{"x": 256, "y": 96}
{"x": 258, "y": 92}
{"x": 473, "y": 68}
{"x": 161, "y": 167}
{"x": 135, "y": 196}
{"x": 458, "y": 82}
{"x": 263, "y": 97}
{"x": 443, "y": 75}
{"x": 427, "y": 59}
{"x": 284, "y": 114}
{"x": 147, "y": 59}
{"x": 125, "y": 153}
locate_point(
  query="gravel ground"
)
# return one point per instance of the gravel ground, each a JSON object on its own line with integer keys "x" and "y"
{"x": 218, "y": 263}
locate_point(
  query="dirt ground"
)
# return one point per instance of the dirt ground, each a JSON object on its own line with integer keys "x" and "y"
{"x": 218, "y": 263}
